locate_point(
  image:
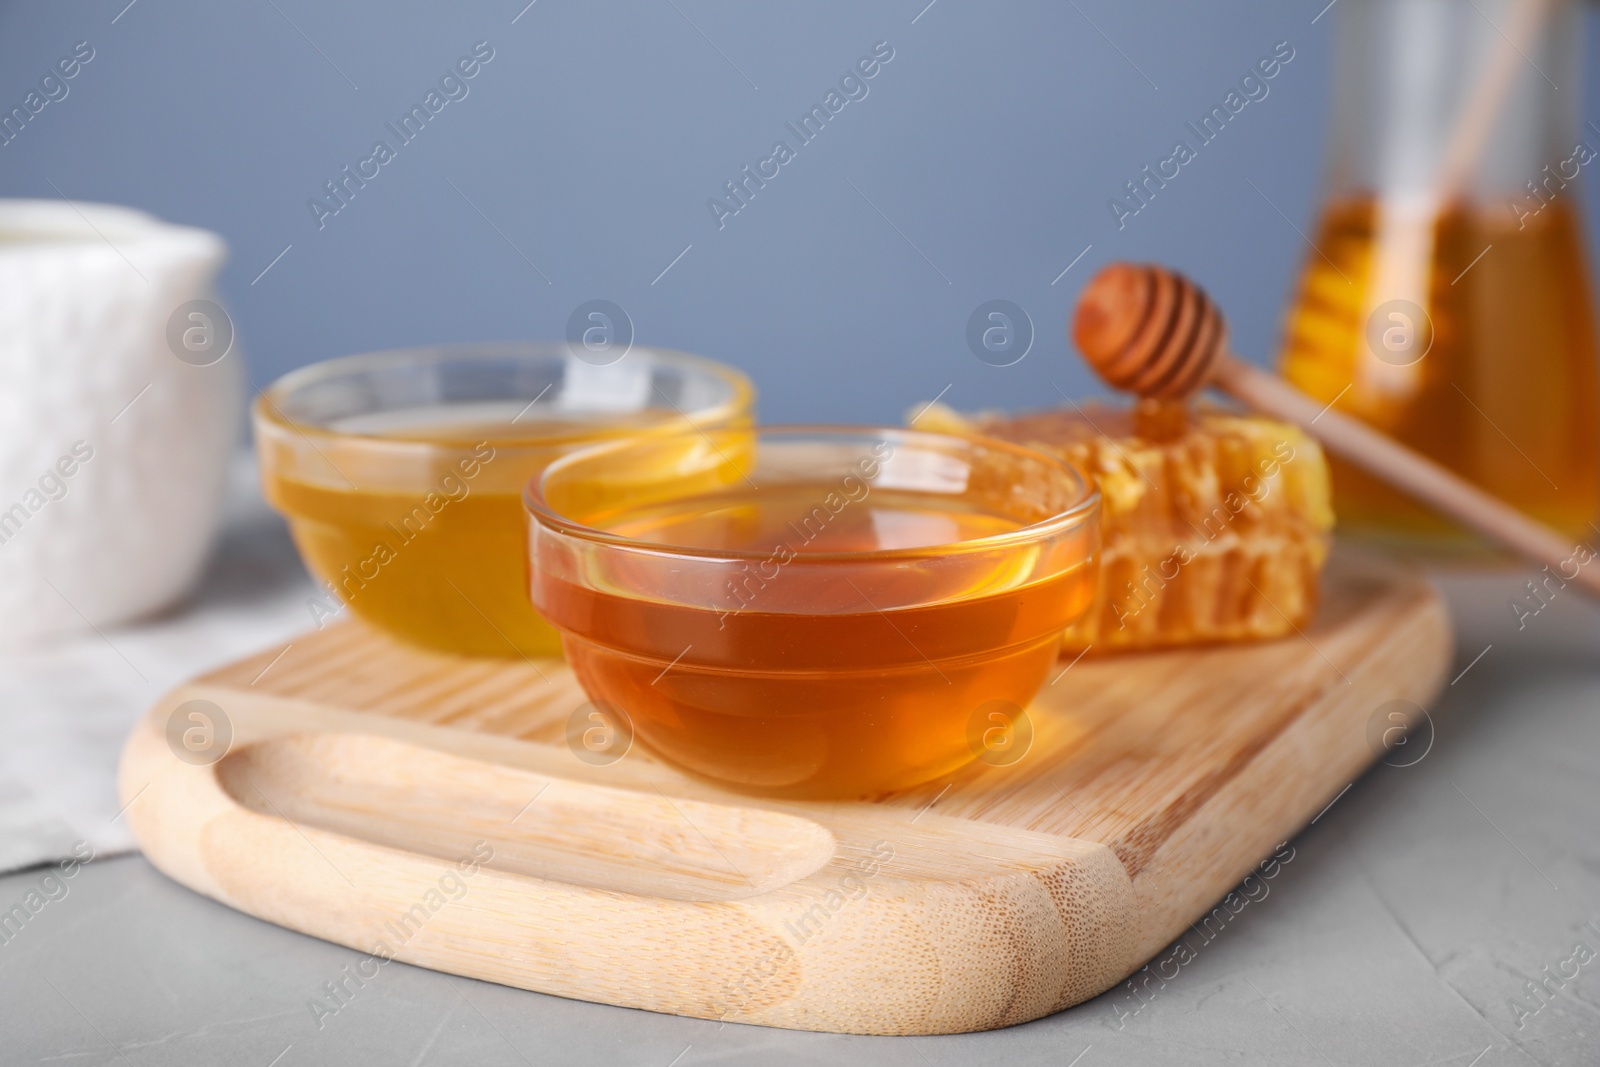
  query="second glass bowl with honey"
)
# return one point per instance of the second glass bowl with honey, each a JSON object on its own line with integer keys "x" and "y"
{"x": 812, "y": 611}
{"x": 401, "y": 473}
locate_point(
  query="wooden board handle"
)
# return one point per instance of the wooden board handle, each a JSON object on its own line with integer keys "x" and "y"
{"x": 457, "y": 852}
{"x": 1409, "y": 472}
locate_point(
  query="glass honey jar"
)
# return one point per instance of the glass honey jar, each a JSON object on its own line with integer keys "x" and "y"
{"x": 1447, "y": 299}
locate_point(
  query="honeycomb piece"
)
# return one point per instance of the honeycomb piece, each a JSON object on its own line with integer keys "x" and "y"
{"x": 1215, "y": 525}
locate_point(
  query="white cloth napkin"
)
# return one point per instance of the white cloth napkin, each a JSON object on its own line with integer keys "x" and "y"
{"x": 67, "y": 706}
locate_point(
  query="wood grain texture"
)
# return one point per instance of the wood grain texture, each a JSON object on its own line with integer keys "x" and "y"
{"x": 427, "y": 807}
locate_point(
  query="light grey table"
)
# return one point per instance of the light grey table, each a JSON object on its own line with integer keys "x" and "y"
{"x": 1414, "y": 925}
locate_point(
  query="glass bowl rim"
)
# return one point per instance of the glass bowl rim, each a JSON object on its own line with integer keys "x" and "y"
{"x": 267, "y": 412}
{"x": 1084, "y": 507}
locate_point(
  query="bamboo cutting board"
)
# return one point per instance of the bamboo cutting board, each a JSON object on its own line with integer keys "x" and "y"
{"x": 429, "y": 808}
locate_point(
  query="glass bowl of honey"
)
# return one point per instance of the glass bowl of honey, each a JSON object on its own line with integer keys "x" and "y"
{"x": 401, "y": 473}
{"x": 812, "y": 611}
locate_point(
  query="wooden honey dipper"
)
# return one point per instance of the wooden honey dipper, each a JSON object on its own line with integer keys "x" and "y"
{"x": 1151, "y": 331}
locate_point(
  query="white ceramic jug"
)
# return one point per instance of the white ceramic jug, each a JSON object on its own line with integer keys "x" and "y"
{"x": 120, "y": 404}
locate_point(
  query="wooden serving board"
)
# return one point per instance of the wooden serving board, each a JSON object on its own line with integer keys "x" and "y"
{"x": 428, "y": 808}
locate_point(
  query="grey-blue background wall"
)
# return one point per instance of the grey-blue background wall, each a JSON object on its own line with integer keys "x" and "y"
{"x": 580, "y": 162}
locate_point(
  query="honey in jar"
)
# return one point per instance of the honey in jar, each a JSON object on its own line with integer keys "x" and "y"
{"x": 1506, "y": 393}
{"x": 1446, "y": 299}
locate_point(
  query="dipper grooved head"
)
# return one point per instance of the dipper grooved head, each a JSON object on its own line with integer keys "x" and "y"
{"x": 1148, "y": 330}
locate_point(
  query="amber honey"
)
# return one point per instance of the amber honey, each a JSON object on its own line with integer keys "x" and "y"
{"x": 401, "y": 474}
{"x": 827, "y": 637}
{"x": 815, "y": 689}
{"x": 441, "y": 566}
{"x": 1506, "y": 394}
{"x": 445, "y": 566}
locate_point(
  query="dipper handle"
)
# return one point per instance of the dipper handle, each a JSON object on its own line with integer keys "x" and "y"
{"x": 1151, "y": 331}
